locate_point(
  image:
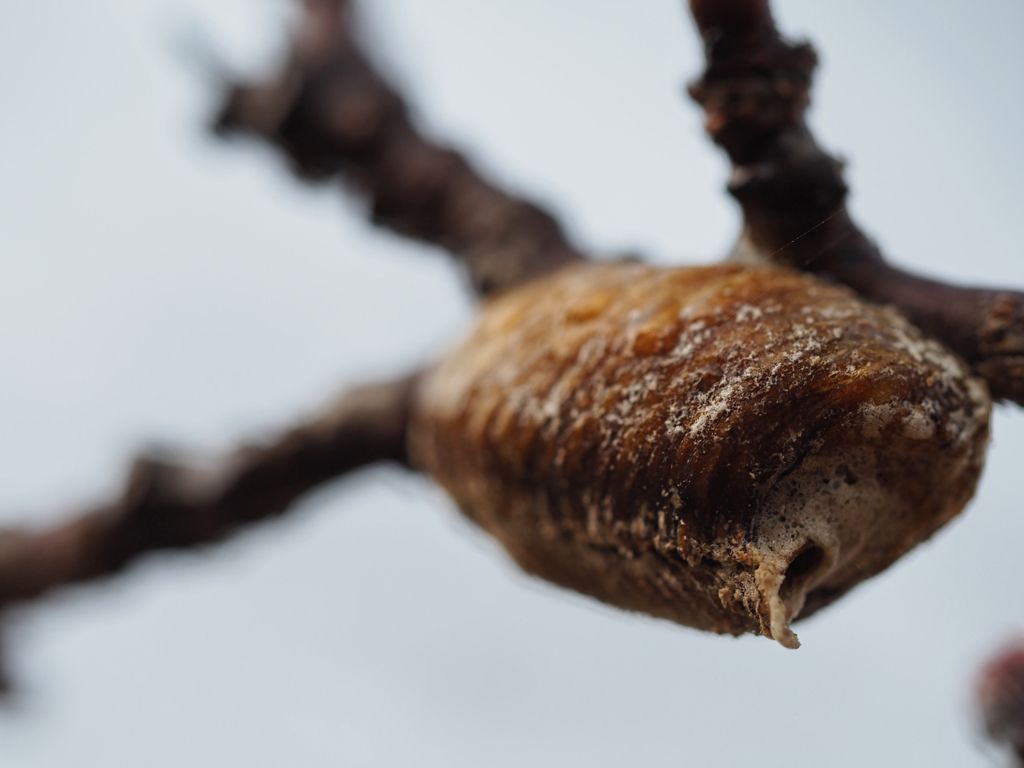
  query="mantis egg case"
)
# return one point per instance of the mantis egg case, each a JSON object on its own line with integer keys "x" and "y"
{"x": 727, "y": 447}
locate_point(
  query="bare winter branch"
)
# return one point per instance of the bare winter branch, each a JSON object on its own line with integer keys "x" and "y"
{"x": 332, "y": 114}
{"x": 754, "y": 91}
{"x": 170, "y": 506}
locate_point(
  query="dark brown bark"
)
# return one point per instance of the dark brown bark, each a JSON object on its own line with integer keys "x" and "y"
{"x": 332, "y": 114}
{"x": 167, "y": 505}
{"x": 755, "y": 90}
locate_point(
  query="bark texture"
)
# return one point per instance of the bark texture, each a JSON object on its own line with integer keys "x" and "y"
{"x": 173, "y": 506}
{"x": 754, "y": 91}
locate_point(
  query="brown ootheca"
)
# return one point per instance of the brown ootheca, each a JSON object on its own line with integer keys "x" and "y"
{"x": 728, "y": 447}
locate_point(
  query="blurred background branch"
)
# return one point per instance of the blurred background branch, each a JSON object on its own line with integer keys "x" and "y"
{"x": 332, "y": 114}
{"x": 168, "y": 505}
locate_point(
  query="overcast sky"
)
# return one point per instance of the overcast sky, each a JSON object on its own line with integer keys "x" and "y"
{"x": 159, "y": 287}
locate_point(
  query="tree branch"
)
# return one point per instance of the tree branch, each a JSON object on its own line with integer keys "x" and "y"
{"x": 754, "y": 91}
{"x": 170, "y": 506}
{"x": 331, "y": 113}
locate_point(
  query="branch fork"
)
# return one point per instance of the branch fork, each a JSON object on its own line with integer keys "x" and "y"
{"x": 334, "y": 117}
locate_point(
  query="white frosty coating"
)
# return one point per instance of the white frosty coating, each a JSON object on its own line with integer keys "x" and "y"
{"x": 876, "y": 417}
{"x": 748, "y": 312}
{"x": 929, "y": 351}
{"x": 917, "y": 425}
{"x": 695, "y": 334}
{"x": 715, "y": 408}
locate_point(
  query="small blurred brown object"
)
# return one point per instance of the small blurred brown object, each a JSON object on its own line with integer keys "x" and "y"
{"x": 999, "y": 692}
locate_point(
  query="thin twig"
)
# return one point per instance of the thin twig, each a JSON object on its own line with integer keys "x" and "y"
{"x": 332, "y": 114}
{"x": 754, "y": 91}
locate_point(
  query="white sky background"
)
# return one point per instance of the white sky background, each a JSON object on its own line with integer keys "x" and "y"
{"x": 157, "y": 285}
